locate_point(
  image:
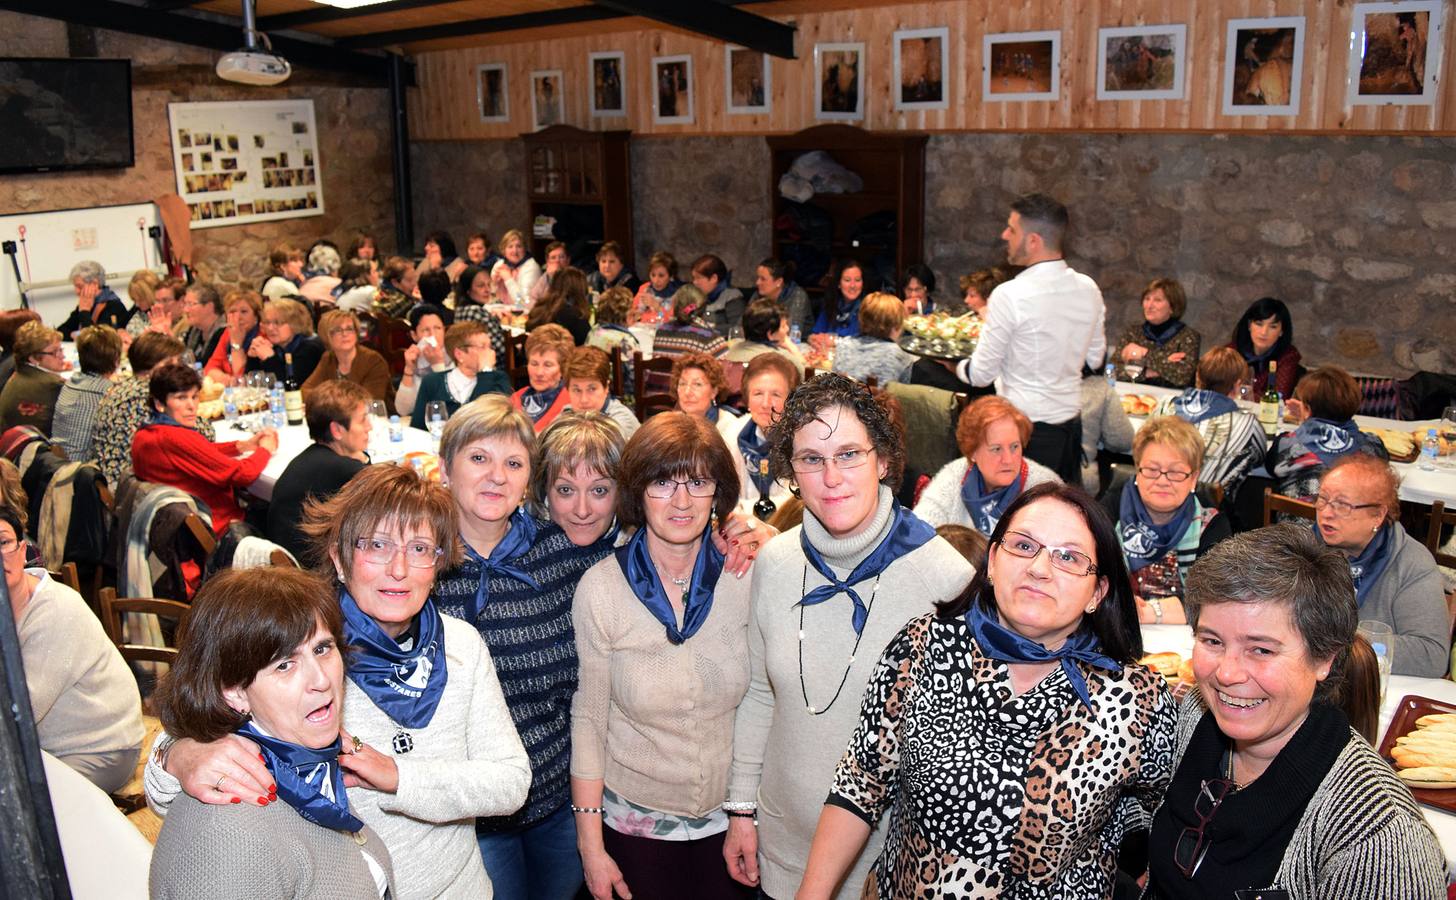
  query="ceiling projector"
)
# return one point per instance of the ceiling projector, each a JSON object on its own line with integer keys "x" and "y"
{"x": 253, "y": 67}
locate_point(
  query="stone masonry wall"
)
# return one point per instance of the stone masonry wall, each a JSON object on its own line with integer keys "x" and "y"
{"x": 354, "y": 154}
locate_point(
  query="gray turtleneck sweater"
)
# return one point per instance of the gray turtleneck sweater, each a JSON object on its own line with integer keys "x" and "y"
{"x": 784, "y": 756}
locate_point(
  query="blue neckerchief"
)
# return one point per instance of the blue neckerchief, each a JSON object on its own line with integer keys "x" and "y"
{"x": 1144, "y": 543}
{"x": 1326, "y": 439}
{"x": 715, "y": 302}
{"x": 712, "y": 414}
{"x": 1369, "y": 565}
{"x": 308, "y": 780}
{"x": 907, "y": 532}
{"x": 1001, "y": 643}
{"x": 672, "y": 285}
{"x": 517, "y": 541}
{"x": 535, "y": 403}
{"x": 613, "y": 326}
{"x": 161, "y": 418}
{"x": 754, "y": 448}
{"x": 847, "y": 313}
{"x": 1195, "y": 404}
{"x": 515, "y": 265}
{"x": 642, "y": 578}
{"x": 1162, "y": 334}
{"x": 405, "y": 684}
{"x": 987, "y": 507}
{"x": 621, "y": 278}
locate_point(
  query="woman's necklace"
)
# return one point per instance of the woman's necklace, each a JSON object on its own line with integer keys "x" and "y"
{"x": 804, "y": 690}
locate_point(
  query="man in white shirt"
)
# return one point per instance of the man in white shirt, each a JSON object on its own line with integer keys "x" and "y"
{"x": 1041, "y": 327}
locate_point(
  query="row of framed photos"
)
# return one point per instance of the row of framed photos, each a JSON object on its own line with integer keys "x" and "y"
{"x": 1394, "y": 58}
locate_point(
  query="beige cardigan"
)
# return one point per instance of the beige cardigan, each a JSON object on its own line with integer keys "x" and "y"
{"x": 652, "y": 718}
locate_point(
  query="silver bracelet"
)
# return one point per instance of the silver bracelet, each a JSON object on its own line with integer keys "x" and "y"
{"x": 1157, "y": 606}
{"x": 588, "y": 810}
{"x": 740, "y": 806}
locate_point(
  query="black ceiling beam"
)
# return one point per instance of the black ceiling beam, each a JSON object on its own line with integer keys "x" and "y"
{"x": 203, "y": 32}
{"x": 547, "y": 18}
{"x": 169, "y": 5}
{"x": 715, "y": 20}
{"x": 335, "y": 13}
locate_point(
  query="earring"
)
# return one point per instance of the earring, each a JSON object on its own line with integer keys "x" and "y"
{"x": 1092, "y": 608}
{"x": 340, "y": 575}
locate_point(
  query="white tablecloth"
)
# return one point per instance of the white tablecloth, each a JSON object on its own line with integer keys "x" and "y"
{"x": 294, "y": 439}
{"x": 1179, "y": 639}
{"x": 1416, "y": 484}
{"x": 106, "y": 857}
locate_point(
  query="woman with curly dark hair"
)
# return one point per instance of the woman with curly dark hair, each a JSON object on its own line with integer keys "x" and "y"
{"x": 828, "y": 596}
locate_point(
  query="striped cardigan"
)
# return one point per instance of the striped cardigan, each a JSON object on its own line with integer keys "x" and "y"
{"x": 1362, "y": 834}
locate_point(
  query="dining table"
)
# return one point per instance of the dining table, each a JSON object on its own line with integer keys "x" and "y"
{"x": 294, "y": 439}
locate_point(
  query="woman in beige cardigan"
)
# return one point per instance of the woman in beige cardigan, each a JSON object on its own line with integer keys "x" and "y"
{"x": 662, "y": 638}
{"x": 347, "y": 360}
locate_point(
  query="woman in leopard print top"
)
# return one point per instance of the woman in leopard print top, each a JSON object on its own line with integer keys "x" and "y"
{"x": 1011, "y": 734}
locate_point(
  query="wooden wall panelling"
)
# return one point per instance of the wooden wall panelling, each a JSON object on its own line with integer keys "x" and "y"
{"x": 445, "y": 108}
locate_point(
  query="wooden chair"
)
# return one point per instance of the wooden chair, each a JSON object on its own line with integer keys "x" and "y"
{"x": 1278, "y": 503}
{"x": 644, "y": 403}
{"x": 112, "y": 609}
{"x": 200, "y": 530}
{"x": 516, "y": 360}
{"x": 280, "y": 559}
{"x": 810, "y": 372}
{"x": 68, "y": 576}
{"x": 616, "y": 383}
{"x": 1440, "y": 518}
{"x": 394, "y": 339}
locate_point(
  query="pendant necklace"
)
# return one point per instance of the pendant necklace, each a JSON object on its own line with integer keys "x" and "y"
{"x": 803, "y": 689}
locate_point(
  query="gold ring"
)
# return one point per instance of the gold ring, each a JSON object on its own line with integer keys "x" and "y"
{"x": 220, "y": 779}
{"x": 358, "y": 744}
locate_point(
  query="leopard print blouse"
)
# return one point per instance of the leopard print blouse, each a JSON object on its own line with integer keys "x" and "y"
{"x": 999, "y": 796}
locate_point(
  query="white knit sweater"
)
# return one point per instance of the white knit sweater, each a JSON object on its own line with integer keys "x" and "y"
{"x": 940, "y": 503}
{"x": 467, "y": 762}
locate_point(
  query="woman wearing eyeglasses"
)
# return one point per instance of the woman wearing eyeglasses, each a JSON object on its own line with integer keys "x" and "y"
{"x": 1274, "y": 794}
{"x": 828, "y": 597}
{"x": 1162, "y": 525}
{"x": 1011, "y": 731}
{"x": 429, "y": 742}
{"x": 29, "y": 397}
{"x": 347, "y": 360}
{"x": 661, "y": 636}
{"x": 1357, "y": 512}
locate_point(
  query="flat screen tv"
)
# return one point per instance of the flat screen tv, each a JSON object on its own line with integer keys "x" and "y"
{"x": 65, "y": 114}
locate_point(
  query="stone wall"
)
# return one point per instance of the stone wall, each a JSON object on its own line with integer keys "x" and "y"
{"x": 354, "y": 153}
{"x": 468, "y": 186}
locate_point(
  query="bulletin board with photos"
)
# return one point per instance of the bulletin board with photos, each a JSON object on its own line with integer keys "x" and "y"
{"x": 240, "y": 162}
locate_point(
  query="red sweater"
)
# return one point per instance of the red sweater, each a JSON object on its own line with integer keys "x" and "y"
{"x": 563, "y": 400}
{"x": 183, "y": 458}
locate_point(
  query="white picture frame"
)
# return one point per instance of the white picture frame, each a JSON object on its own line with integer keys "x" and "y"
{"x": 1014, "y": 64}
{"x": 1381, "y": 51}
{"x": 602, "y": 68}
{"x": 1263, "y": 58}
{"x": 493, "y": 101}
{"x": 548, "y": 100}
{"x": 843, "y": 100}
{"x": 1118, "y": 75}
{"x": 738, "y": 98}
{"x": 672, "y": 104}
{"x": 932, "y": 60}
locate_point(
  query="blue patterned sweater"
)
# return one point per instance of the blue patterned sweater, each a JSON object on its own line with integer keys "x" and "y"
{"x": 533, "y": 645}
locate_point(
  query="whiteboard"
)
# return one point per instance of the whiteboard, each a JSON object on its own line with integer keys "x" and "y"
{"x": 58, "y": 239}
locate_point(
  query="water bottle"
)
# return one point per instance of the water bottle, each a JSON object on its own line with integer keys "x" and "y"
{"x": 1111, "y": 372}
{"x": 1430, "y": 449}
{"x": 795, "y": 335}
{"x": 396, "y": 430}
{"x": 277, "y": 411}
{"x": 230, "y": 406}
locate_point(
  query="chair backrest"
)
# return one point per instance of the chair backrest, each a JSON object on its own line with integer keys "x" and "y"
{"x": 112, "y": 609}
{"x": 205, "y": 538}
{"x": 68, "y": 575}
{"x": 1289, "y": 506}
{"x": 1379, "y": 396}
{"x": 394, "y": 339}
{"x": 616, "y": 385}
{"x": 1440, "y": 517}
{"x": 282, "y": 560}
{"x": 368, "y": 328}
{"x": 810, "y": 372}
{"x": 516, "y": 360}
{"x": 645, "y": 402}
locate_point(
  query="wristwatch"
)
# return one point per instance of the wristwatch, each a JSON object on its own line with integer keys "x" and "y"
{"x": 1157, "y": 606}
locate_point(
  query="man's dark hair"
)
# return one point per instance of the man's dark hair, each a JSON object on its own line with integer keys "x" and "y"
{"x": 1044, "y": 216}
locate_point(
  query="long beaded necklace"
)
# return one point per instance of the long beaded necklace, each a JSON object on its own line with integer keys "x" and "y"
{"x": 803, "y": 689}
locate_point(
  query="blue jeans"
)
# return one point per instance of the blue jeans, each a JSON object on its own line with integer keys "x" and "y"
{"x": 539, "y": 862}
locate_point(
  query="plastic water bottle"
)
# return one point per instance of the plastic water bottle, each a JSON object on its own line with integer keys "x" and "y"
{"x": 278, "y": 414}
{"x": 396, "y": 430}
{"x": 230, "y": 406}
{"x": 795, "y": 335}
{"x": 1111, "y": 372}
{"x": 1430, "y": 449}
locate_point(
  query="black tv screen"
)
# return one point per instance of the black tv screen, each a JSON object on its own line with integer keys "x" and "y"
{"x": 65, "y": 114}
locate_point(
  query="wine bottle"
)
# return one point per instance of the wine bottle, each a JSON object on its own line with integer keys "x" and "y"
{"x": 1269, "y": 403}
{"x": 764, "y": 508}
{"x": 292, "y": 392}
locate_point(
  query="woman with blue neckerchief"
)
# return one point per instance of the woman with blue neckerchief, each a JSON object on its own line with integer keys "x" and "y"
{"x": 840, "y": 314}
{"x": 992, "y": 472}
{"x": 699, "y": 384}
{"x": 1162, "y": 349}
{"x": 1324, "y": 404}
{"x": 436, "y": 745}
{"x": 1162, "y": 524}
{"x": 768, "y": 381}
{"x": 1011, "y": 732}
{"x": 661, "y": 636}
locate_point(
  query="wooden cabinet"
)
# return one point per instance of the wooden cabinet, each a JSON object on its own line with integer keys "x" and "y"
{"x": 882, "y": 225}
{"x": 582, "y": 179}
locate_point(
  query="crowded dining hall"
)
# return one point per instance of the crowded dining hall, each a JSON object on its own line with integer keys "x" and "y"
{"x": 595, "y": 451}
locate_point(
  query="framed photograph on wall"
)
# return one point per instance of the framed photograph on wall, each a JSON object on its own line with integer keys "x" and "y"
{"x": 1395, "y": 53}
{"x": 1025, "y": 65}
{"x": 672, "y": 93}
{"x": 1145, "y": 62}
{"x": 1263, "y": 66}
{"x": 608, "y": 84}
{"x": 491, "y": 94}
{"x": 748, "y": 84}
{"x": 922, "y": 57}
{"x": 546, "y": 98}
{"x": 839, "y": 82}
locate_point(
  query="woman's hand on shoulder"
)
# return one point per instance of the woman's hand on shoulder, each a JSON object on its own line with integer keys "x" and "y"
{"x": 604, "y": 879}
{"x": 227, "y": 770}
{"x": 367, "y": 767}
{"x": 739, "y": 540}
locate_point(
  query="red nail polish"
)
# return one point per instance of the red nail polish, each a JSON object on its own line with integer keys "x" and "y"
{"x": 272, "y": 788}
{"x": 261, "y": 759}
{"x": 237, "y": 800}
{"x": 262, "y": 801}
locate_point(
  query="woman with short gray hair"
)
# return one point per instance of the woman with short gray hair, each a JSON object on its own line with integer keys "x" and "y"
{"x": 96, "y": 304}
{"x": 1273, "y": 787}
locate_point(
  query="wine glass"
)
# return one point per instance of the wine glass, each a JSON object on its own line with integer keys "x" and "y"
{"x": 379, "y": 422}
{"x": 1446, "y": 431}
{"x": 435, "y": 416}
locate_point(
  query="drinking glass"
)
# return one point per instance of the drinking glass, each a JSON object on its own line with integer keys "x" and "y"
{"x": 435, "y": 416}
{"x": 378, "y": 423}
{"x": 1447, "y": 432}
{"x": 1382, "y": 641}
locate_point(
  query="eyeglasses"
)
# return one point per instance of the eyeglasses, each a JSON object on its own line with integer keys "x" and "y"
{"x": 1073, "y": 562}
{"x": 851, "y": 458}
{"x": 1341, "y": 508}
{"x": 1192, "y": 844}
{"x": 479, "y": 347}
{"x": 270, "y": 321}
{"x": 56, "y": 351}
{"x": 380, "y": 552}
{"x": 665, "y": 488}
{"x": 343, "y": 329}
{"x": 1152, "y": 474}
{"x": 10, "y": 545}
